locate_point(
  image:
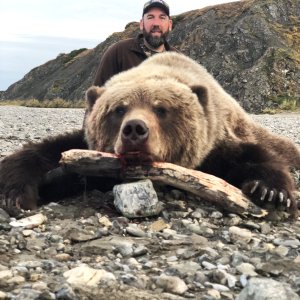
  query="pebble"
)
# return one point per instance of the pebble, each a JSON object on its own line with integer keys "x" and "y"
{"x": 214, "y": 294}
{"x": 218, "y": 287}
{"x": 293, "y": 243}
{"x": 80, "y": 235}
{"x": 84, "y": 275}
{"x": 195, "y": 227}
{"x": 63, "y": 257}
{"x": 40, "y": 286}
{"x": 137, "y": 199}
{"x": 216, "y": 215}
{"x": 198, "y": 213}
{"x": 239, "y": 235}
{"x": 125, "y": 250}
{"x": 29, "y": 222}
{"x": 27, "y": 232}
{"x": 265, "y": 228}
{"x": 16, "y": 280}
{"x": 246, "y": 269}
{"x": 65, "y": 293}
{"x": 172, "y": 284}
{"x": 282, "y": 250}
{"x": 271, "y": 268}
{"x": 158, "y": 225}
{"x": 207, "y": 265}
{"x": 134, "y": 230}
{"x": 139, "y": 251}
{"x": 265, "y": 289}
{"x": 5, "y": 275}
{"x": 105, "y": 221}
{"x": 185, "y": 268}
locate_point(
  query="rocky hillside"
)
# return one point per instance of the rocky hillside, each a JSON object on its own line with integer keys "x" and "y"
{"x": 252, "y": 47}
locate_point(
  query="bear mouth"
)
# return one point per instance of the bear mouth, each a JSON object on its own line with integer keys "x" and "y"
{"x": 137, "y": 158}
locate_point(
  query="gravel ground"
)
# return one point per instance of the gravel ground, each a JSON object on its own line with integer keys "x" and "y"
{"x": 20, "y": 124}
{"x": 81, "y": 248}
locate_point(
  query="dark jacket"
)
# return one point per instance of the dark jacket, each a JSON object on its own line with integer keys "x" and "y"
{"x": 122, "y": 56}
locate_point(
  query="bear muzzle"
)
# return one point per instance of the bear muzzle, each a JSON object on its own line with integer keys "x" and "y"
{"x": 134, "y": 137}
{"x": 134, "y": 134}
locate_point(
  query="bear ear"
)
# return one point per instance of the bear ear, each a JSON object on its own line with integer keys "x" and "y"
{"x": 201, "y": 92}
{"x": 92, "y": 94}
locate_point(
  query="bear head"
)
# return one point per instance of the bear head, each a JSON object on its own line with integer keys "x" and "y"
{"x": 150, "y": 118}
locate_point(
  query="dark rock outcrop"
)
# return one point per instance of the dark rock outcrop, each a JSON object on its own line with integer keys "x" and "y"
{"x": 252, "y": 47}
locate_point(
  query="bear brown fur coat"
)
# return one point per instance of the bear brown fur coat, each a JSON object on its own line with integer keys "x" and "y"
{"x": 169, "y": 109}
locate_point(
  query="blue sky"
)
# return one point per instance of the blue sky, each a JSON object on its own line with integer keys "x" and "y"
{"x": 35, "y": 31}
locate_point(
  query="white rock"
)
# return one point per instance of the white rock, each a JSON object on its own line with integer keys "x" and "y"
{"x": 134, "y": 230}
{"x": 293, "y": 243}
{"x": 6, "y": 275}
{"x": 218, "y": 287}
{"x": 16, "y": 280}
{"x": 84, "y": 275}
{"x": 137, "y": 199}
{"x": 282, "y": 250}
{"x": 265, "y": 289}
{"x": 29, "y": 222}
{"x": 171, "y": 284}
{"x": 208, "y": 266}
{"x": 243, "y": 280}
{"x": 231, "y": 280}
{"x": 239, "y": 235}
{"x": 214, "y": 294}
{"x": 27, "y": 232}
{"x": 39, "y": 286}
{"x": 105, "y": 221}
{"x": 186, "y": 268}
{"x": 246, "y": 269}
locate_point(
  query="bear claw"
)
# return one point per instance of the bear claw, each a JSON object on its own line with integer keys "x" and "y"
{"x": 254, "y": 187}
{"x": 261, "y": 195}
{"x": 281, "y": 197}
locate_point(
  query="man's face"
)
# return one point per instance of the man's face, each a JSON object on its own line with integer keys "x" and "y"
{"x": 155, "y": 25}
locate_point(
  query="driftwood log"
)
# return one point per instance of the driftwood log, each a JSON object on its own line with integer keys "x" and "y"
{"x": 206, "y": 186}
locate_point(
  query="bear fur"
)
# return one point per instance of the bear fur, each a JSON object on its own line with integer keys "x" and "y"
{"x": 169, "y": 109}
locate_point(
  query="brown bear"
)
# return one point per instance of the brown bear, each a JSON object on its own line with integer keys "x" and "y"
{"x": 168, "y": 109}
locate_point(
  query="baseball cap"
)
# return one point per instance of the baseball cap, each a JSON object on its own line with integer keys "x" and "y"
{"x": 156, "y": 3}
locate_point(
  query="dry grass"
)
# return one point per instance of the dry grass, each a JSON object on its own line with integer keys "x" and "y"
{"x": 55, "y": 103}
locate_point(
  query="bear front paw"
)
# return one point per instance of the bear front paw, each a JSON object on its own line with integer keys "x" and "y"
{"x": 16, "y": 198}
{"x": 263, "y": 196}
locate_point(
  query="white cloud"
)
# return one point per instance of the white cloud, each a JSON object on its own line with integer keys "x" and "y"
{"x": 77, "y": 18}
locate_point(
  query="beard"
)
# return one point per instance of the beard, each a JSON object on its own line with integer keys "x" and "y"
{"x": 155, "y": 41}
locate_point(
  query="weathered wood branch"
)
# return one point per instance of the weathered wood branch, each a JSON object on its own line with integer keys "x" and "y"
{"x": 206, "y": 186}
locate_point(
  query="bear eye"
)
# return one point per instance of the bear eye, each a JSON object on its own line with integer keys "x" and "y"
{"x": 160, "y": 111}
{"x": 121, "y": 110}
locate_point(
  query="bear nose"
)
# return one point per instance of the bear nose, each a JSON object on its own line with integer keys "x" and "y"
{"x": 135, "y": 132}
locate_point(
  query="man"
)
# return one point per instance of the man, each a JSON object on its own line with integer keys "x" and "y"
{"x": 155, "y": 26}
